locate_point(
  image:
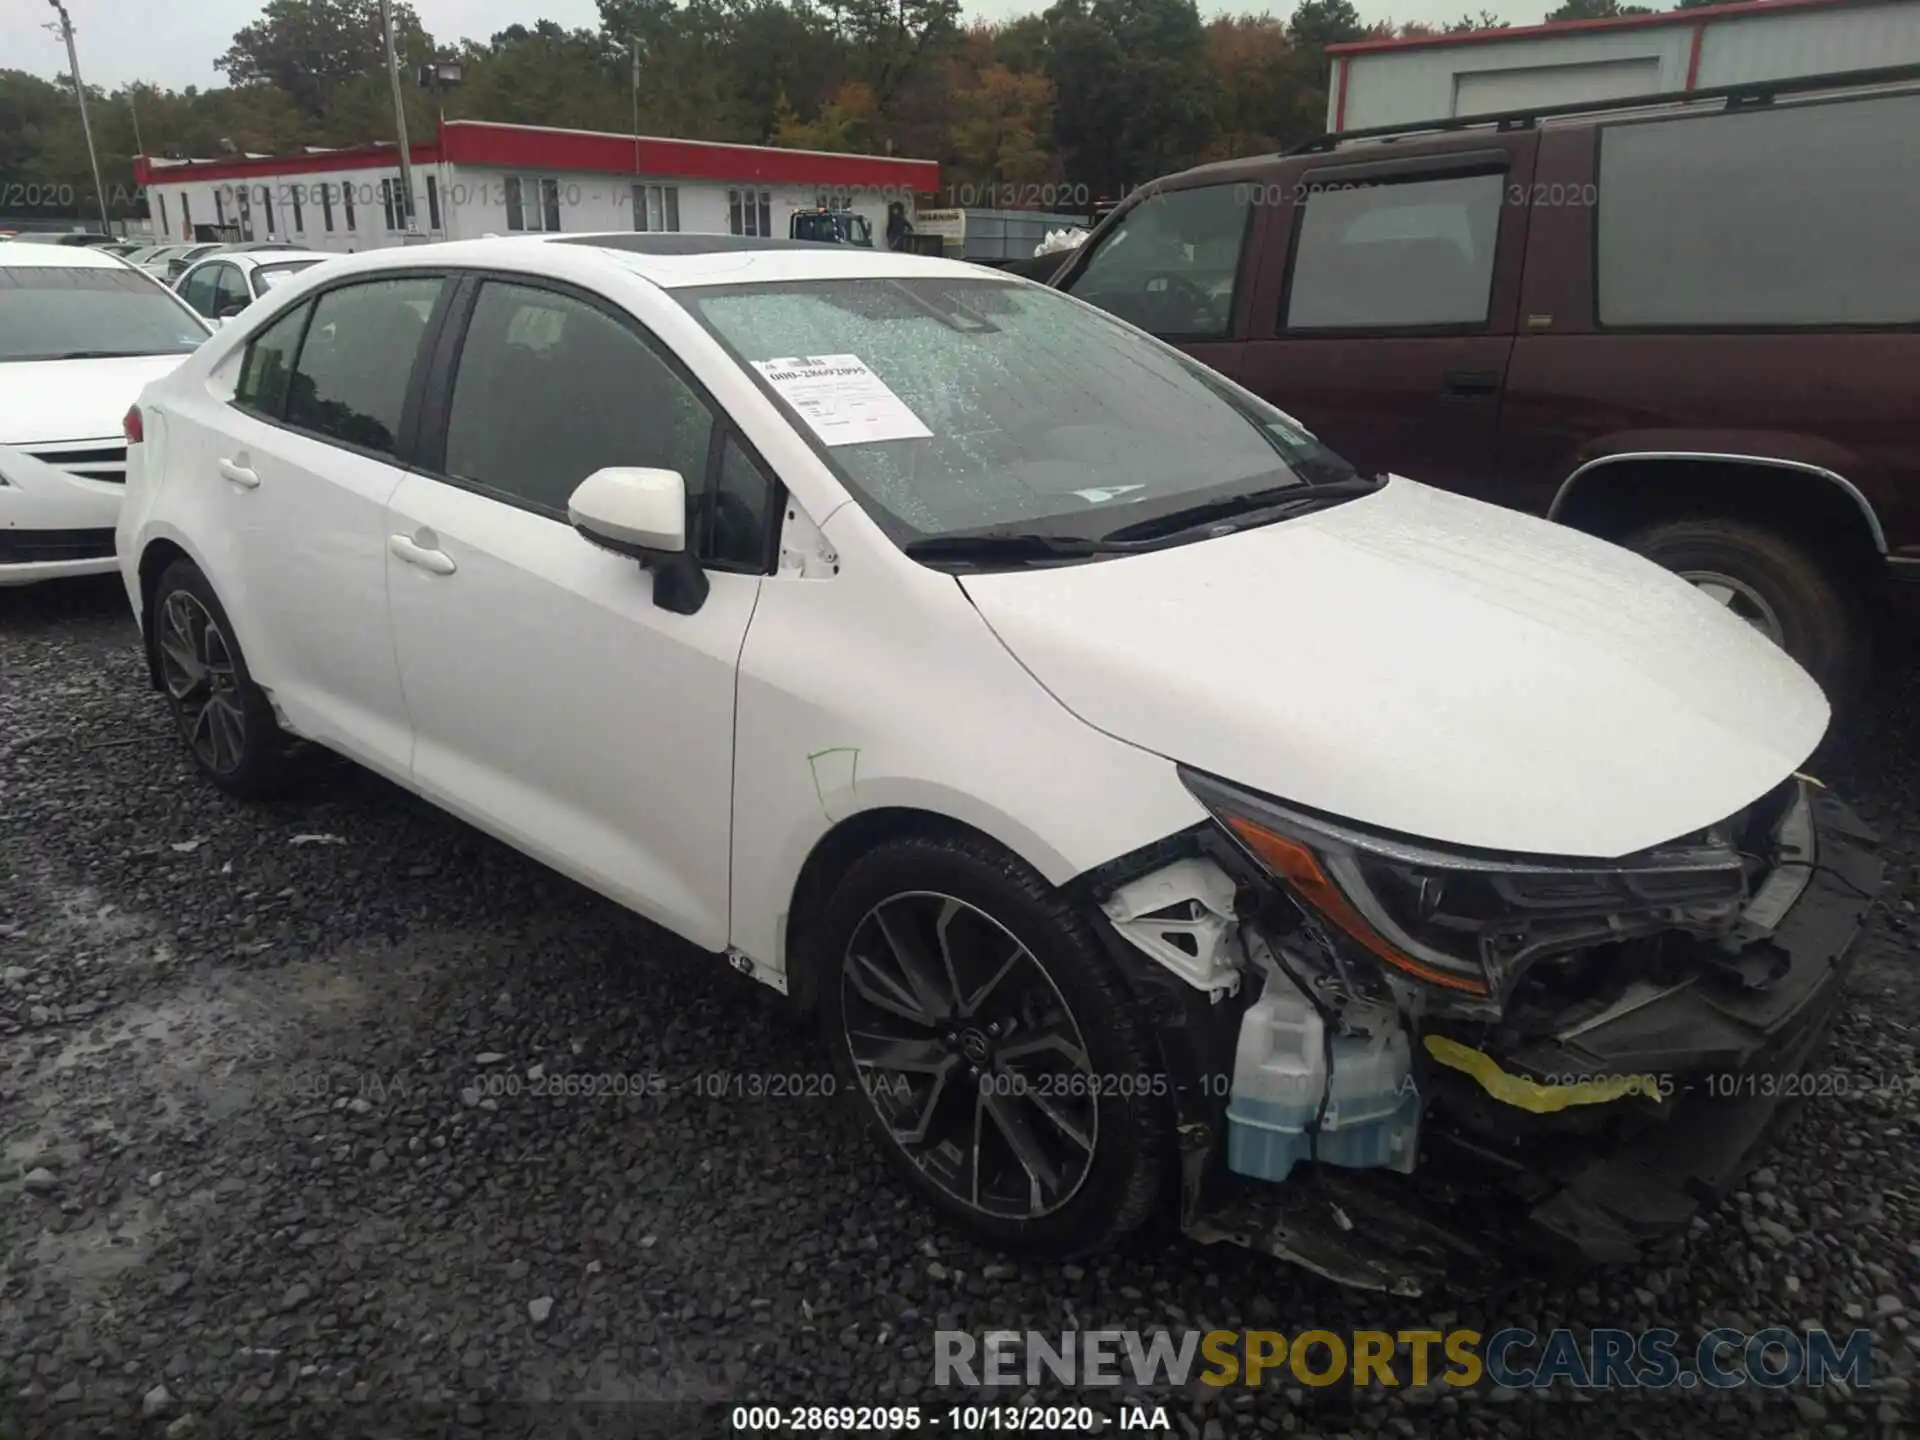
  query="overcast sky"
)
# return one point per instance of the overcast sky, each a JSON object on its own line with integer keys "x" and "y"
{"x": 173, "y": 42}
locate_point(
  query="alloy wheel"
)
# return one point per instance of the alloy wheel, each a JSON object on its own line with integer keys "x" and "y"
{"x": 1741, "y": 598}
{"x": 197, "y": 667}
{"x": 970, "y": 1055}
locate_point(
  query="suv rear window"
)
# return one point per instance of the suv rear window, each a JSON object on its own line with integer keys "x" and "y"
{"x": 1797, "y": 215}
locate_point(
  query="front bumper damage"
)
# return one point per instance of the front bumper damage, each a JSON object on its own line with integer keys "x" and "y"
{"x": 1586, "y": 1138}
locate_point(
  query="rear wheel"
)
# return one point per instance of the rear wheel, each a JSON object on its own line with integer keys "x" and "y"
{"x": 991, "y": 1047}
{"x": 1792, "y": 594}
{"x": 223, "y": 716}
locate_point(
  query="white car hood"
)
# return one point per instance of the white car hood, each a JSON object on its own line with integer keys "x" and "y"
{"x": 42, "y": 401}
{"x": 1424, "y": 663}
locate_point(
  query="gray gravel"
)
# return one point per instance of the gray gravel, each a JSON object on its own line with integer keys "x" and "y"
{"x": 272, "y": 1163}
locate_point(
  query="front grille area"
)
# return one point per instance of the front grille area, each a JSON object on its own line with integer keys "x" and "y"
{"x": 26, "y": 547}
{"x": 94, "y": 460}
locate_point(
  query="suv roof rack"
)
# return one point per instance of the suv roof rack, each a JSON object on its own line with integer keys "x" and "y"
{"x": 1750, "y": 92}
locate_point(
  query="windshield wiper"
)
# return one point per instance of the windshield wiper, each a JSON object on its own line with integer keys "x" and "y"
{"x": 1250, "y": 506}
{"x": 1014, "y": 546}
{"x": 104, "y": 354}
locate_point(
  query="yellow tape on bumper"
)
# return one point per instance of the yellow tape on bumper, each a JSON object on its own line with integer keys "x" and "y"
{"x": 1531, "y": 1095}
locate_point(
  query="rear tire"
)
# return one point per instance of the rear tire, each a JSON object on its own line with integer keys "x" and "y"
{"x": 991, "y": 1046}
{"x": 226, "y": 719}
{"x": 1790, "y": 591}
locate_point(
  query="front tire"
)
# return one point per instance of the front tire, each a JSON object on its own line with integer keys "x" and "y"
{"x": 1790, "y": 593}
{"x": 226, "y": 719}
{"x": 991, "y": 1047}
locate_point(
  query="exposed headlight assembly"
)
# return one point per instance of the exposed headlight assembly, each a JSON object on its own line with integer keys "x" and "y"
{"x": 1470, "y": 922}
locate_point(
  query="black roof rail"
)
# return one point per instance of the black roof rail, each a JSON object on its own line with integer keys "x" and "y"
{"x": 1749, "y": 92}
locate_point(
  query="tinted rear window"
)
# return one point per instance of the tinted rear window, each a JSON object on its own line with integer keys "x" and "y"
{"x": 1802, "y": 215}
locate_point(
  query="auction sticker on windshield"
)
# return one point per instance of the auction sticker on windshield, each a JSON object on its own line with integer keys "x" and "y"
{"x": 843, "y": 400}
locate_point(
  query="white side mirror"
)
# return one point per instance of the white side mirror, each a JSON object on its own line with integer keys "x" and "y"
{"x": 630, "y": 509}
{"x": 642, "y": 513}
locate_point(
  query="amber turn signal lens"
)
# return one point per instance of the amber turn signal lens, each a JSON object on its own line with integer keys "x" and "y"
{"x": 1300, "y": 868}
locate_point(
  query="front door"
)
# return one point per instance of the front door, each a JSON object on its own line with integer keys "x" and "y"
{"x": 1385, "y": 317}
{"x": 553, "y": 703}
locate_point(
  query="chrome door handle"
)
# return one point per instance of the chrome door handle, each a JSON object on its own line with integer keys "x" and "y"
{"x": 436, "y": 562}
{"x": 240, "y": 475}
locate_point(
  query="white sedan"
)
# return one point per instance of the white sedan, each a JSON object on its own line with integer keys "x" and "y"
{"x": 1139, "y": 794}
{"x": 81, "y": 332}
{"x": 222, "y": 284}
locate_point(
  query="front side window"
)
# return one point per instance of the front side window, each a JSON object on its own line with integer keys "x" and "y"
{"x": 961, "y": 405}
{"x": 57, "y": 312}
{"x": 1171, "y": 264}
{"x": 1792, "y": 215}
{"x": 230, "y": 295}
{"x": 198, "y": 289}
{"x": 550, "y": 389}
{"x": 357, "y": 357}
{"x": 1395, "y": 255}
{"x": 262, "y": 387}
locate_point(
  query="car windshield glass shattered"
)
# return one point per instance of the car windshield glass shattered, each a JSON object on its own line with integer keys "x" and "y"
{"x": 955, "y": 406}
{"x": 55, "y": 312}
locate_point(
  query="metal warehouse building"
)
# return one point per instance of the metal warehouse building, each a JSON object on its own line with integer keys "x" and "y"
{"x": 1430, "y": 77}
{"x": 478, "y": 178}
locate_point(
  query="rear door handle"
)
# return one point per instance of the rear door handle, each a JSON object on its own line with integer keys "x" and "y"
{"x": 238, "y": 474}
{"x": 435, "y": 562}
{"x": 1470, "y": 384}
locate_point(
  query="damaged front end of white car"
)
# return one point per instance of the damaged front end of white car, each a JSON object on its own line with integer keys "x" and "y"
{"x": 1396, "y": 1062}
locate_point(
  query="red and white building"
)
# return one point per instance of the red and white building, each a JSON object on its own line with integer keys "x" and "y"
{"x": 478, "y": 178}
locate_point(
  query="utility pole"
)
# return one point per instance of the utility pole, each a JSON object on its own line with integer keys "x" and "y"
{"x": 86, "y": 126}
{"x": 633, "y": 48}
{"x": 399, "y": 123}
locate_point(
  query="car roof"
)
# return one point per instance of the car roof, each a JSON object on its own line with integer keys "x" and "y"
{"x": 75, "y": 257}
{"x": 673, "y": 261}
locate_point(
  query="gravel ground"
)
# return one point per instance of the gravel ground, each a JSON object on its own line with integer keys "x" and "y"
{"x": 265, "y": 1171}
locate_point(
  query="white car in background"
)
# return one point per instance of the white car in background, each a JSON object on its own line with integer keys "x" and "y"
{"x": 220, "y": 286}
{"x": 1151, "y": 806}
{"x": 81, "y": 333}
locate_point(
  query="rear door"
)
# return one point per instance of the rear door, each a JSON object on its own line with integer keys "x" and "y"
{"x": 1385, "y": 319}
{"x": 1179, "y": 264}
{"x": 553, "y": 703}
{"x": 295, "y": 468}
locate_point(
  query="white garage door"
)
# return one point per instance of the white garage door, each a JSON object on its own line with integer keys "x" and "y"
{"x": 1490, "y": 92}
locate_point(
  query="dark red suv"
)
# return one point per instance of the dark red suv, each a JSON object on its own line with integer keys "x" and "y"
{"x": 1690, "y": 325}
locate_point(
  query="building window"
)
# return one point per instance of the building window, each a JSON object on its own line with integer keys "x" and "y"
{"x": 833, "y": 200}
{"x": 293, "y": 198}
{"x": 326, "y": 206}
{"x": 220, "y": 208}
{"x": 433, "y": 204}
{"x": 165, "y": 228}
{"x": 533, "y": 202}
{"x": 245, "y": 201}
{"x": 346, "y": 201}
{"x": 390, "y": 204}
{"x": 656, "y": 207}
{"x": 750, "y": 212}
{"x": 186, "y": 217}
{"x": 266, "y": 206}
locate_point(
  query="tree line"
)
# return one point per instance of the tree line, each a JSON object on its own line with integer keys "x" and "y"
{"x": 1086, "y": 98}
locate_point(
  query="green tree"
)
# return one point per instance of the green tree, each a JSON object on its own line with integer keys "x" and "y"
{"x": 307, "y": 48}
{"x": 1594, "y": 10}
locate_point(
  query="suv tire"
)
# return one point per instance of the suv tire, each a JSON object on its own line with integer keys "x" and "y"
{"x": 1015, "y": 1033}
{"x": 1789, "y": 590}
